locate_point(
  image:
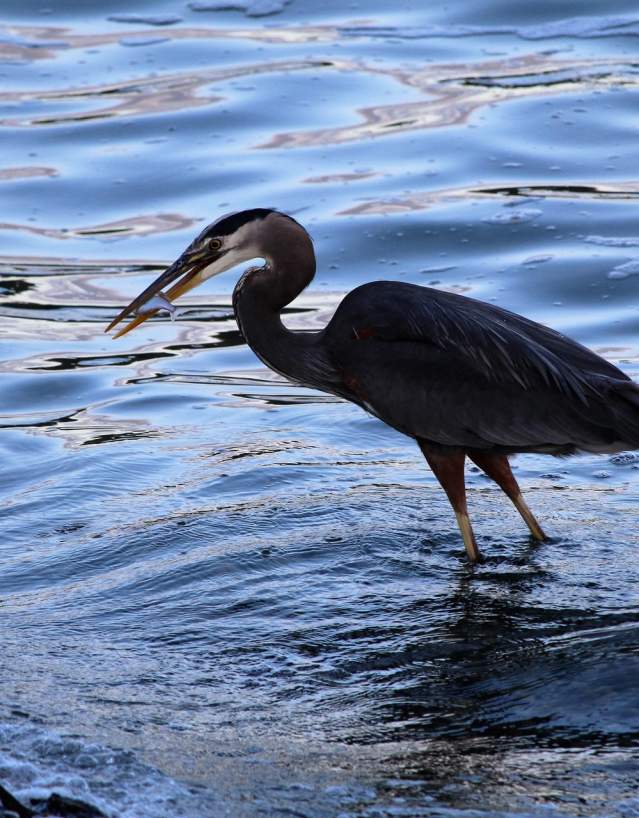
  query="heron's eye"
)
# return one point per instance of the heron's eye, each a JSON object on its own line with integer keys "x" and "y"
{"x": 215, "y": 244}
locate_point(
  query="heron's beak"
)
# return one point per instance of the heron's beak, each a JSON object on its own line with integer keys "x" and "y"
{"x": 183, "y": 274}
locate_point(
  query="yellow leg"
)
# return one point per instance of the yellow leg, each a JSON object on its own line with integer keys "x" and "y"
{"x": 463, "y": 521}
{"x": 529, "y": 518}
{"x": 498, "y": 469}
{"x": 447, "y": 464}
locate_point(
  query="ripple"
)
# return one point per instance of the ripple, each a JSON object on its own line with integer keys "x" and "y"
{"x": 36, "y": 419}
{"x": 42, "y": 42}
{"x": 147, "y": 224}
{"x": 68, "y": 363}
{"x": 251, "y": 8}
{"x": 340, "y": 177}
{"x": 420, "y": 200}
{"x": 143, "y": 96}
{"x": 573, "y": 27}
{"x": 625, "y": 190}
{"x": 614, "y": 241}
{"x": 147, "y": 20}
{"x": 452, "y": 99}
{"x": 63, "y": 267}
{"x": 28, "y": 172}
{"x": 549, "y": 77}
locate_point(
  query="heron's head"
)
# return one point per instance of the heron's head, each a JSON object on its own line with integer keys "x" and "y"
{"x": 231, "y": 240}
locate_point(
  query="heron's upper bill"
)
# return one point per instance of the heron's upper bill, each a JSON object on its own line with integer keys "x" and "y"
{"x": 180, "y": 277}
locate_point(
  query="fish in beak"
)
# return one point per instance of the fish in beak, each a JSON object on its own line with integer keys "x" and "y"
{"x": 199, "y": 261}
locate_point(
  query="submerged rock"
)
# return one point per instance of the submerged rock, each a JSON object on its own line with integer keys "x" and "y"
{"x": 57, "y": 805}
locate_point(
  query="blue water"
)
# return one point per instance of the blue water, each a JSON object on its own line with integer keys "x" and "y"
{"x": 222, "y": 593}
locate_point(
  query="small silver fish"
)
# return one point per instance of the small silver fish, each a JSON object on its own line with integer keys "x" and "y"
{"x": 158, "y": 302}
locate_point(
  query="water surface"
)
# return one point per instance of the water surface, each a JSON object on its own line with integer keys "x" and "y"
{"x": 224, "y": 594}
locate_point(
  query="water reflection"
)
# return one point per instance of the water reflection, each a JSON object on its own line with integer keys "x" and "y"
{"x": 422, "y": 200}
{"x": 146, "y": 224}
{"x": 26, "y": 172}
{"x": 453, "y": 99}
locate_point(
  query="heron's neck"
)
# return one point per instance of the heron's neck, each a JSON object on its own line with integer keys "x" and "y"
{"x": 258, "y": 299}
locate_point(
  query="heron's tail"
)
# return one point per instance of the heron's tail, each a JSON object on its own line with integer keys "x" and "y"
{"x": 624, "y": 403}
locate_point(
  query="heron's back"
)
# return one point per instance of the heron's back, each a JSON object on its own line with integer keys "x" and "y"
{"x": 461, "y": 372}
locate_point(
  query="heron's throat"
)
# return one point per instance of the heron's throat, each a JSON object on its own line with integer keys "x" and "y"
{"x": 258, "y": 300}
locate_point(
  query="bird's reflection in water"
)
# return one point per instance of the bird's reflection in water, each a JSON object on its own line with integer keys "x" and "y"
{"x": 500, "y": 694}
{"x": 484, "y": 626}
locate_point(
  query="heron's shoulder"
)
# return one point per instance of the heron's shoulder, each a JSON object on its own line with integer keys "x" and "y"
{"x": 398, "y": 303}
{"x": 398, "y": 289}
{"x": 388, "y": 296}
{"x": 399, "y": 311}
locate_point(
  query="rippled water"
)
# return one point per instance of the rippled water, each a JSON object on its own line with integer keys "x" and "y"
{"x": 223, "y": 594}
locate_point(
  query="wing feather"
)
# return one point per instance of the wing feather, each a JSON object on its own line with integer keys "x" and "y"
{"x": 462, "y": 372}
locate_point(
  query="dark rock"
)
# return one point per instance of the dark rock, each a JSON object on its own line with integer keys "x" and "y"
{"x": 55, "y": 805}
{"x": 12, "y": 804}
{"x": 62, "y": 806}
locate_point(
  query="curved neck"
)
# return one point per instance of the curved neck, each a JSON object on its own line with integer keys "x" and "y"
{"x": 258, "y": 298}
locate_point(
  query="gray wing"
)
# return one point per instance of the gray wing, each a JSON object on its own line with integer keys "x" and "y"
{"x": 461, "y": 372}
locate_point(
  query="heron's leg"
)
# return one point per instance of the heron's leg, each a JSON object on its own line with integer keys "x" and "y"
{"x": 497, "y": 468}
{"x": 447, "y": 464}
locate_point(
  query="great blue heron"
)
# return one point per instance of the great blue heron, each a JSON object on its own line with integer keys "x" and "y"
{"x": 461, "y": 377}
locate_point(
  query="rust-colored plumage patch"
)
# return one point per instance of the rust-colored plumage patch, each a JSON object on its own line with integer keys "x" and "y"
{"x": 363, "y": 333}
{"x": 353, "y": 384}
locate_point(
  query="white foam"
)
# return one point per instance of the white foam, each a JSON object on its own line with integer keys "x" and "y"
{"x": 35, "y": 762}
